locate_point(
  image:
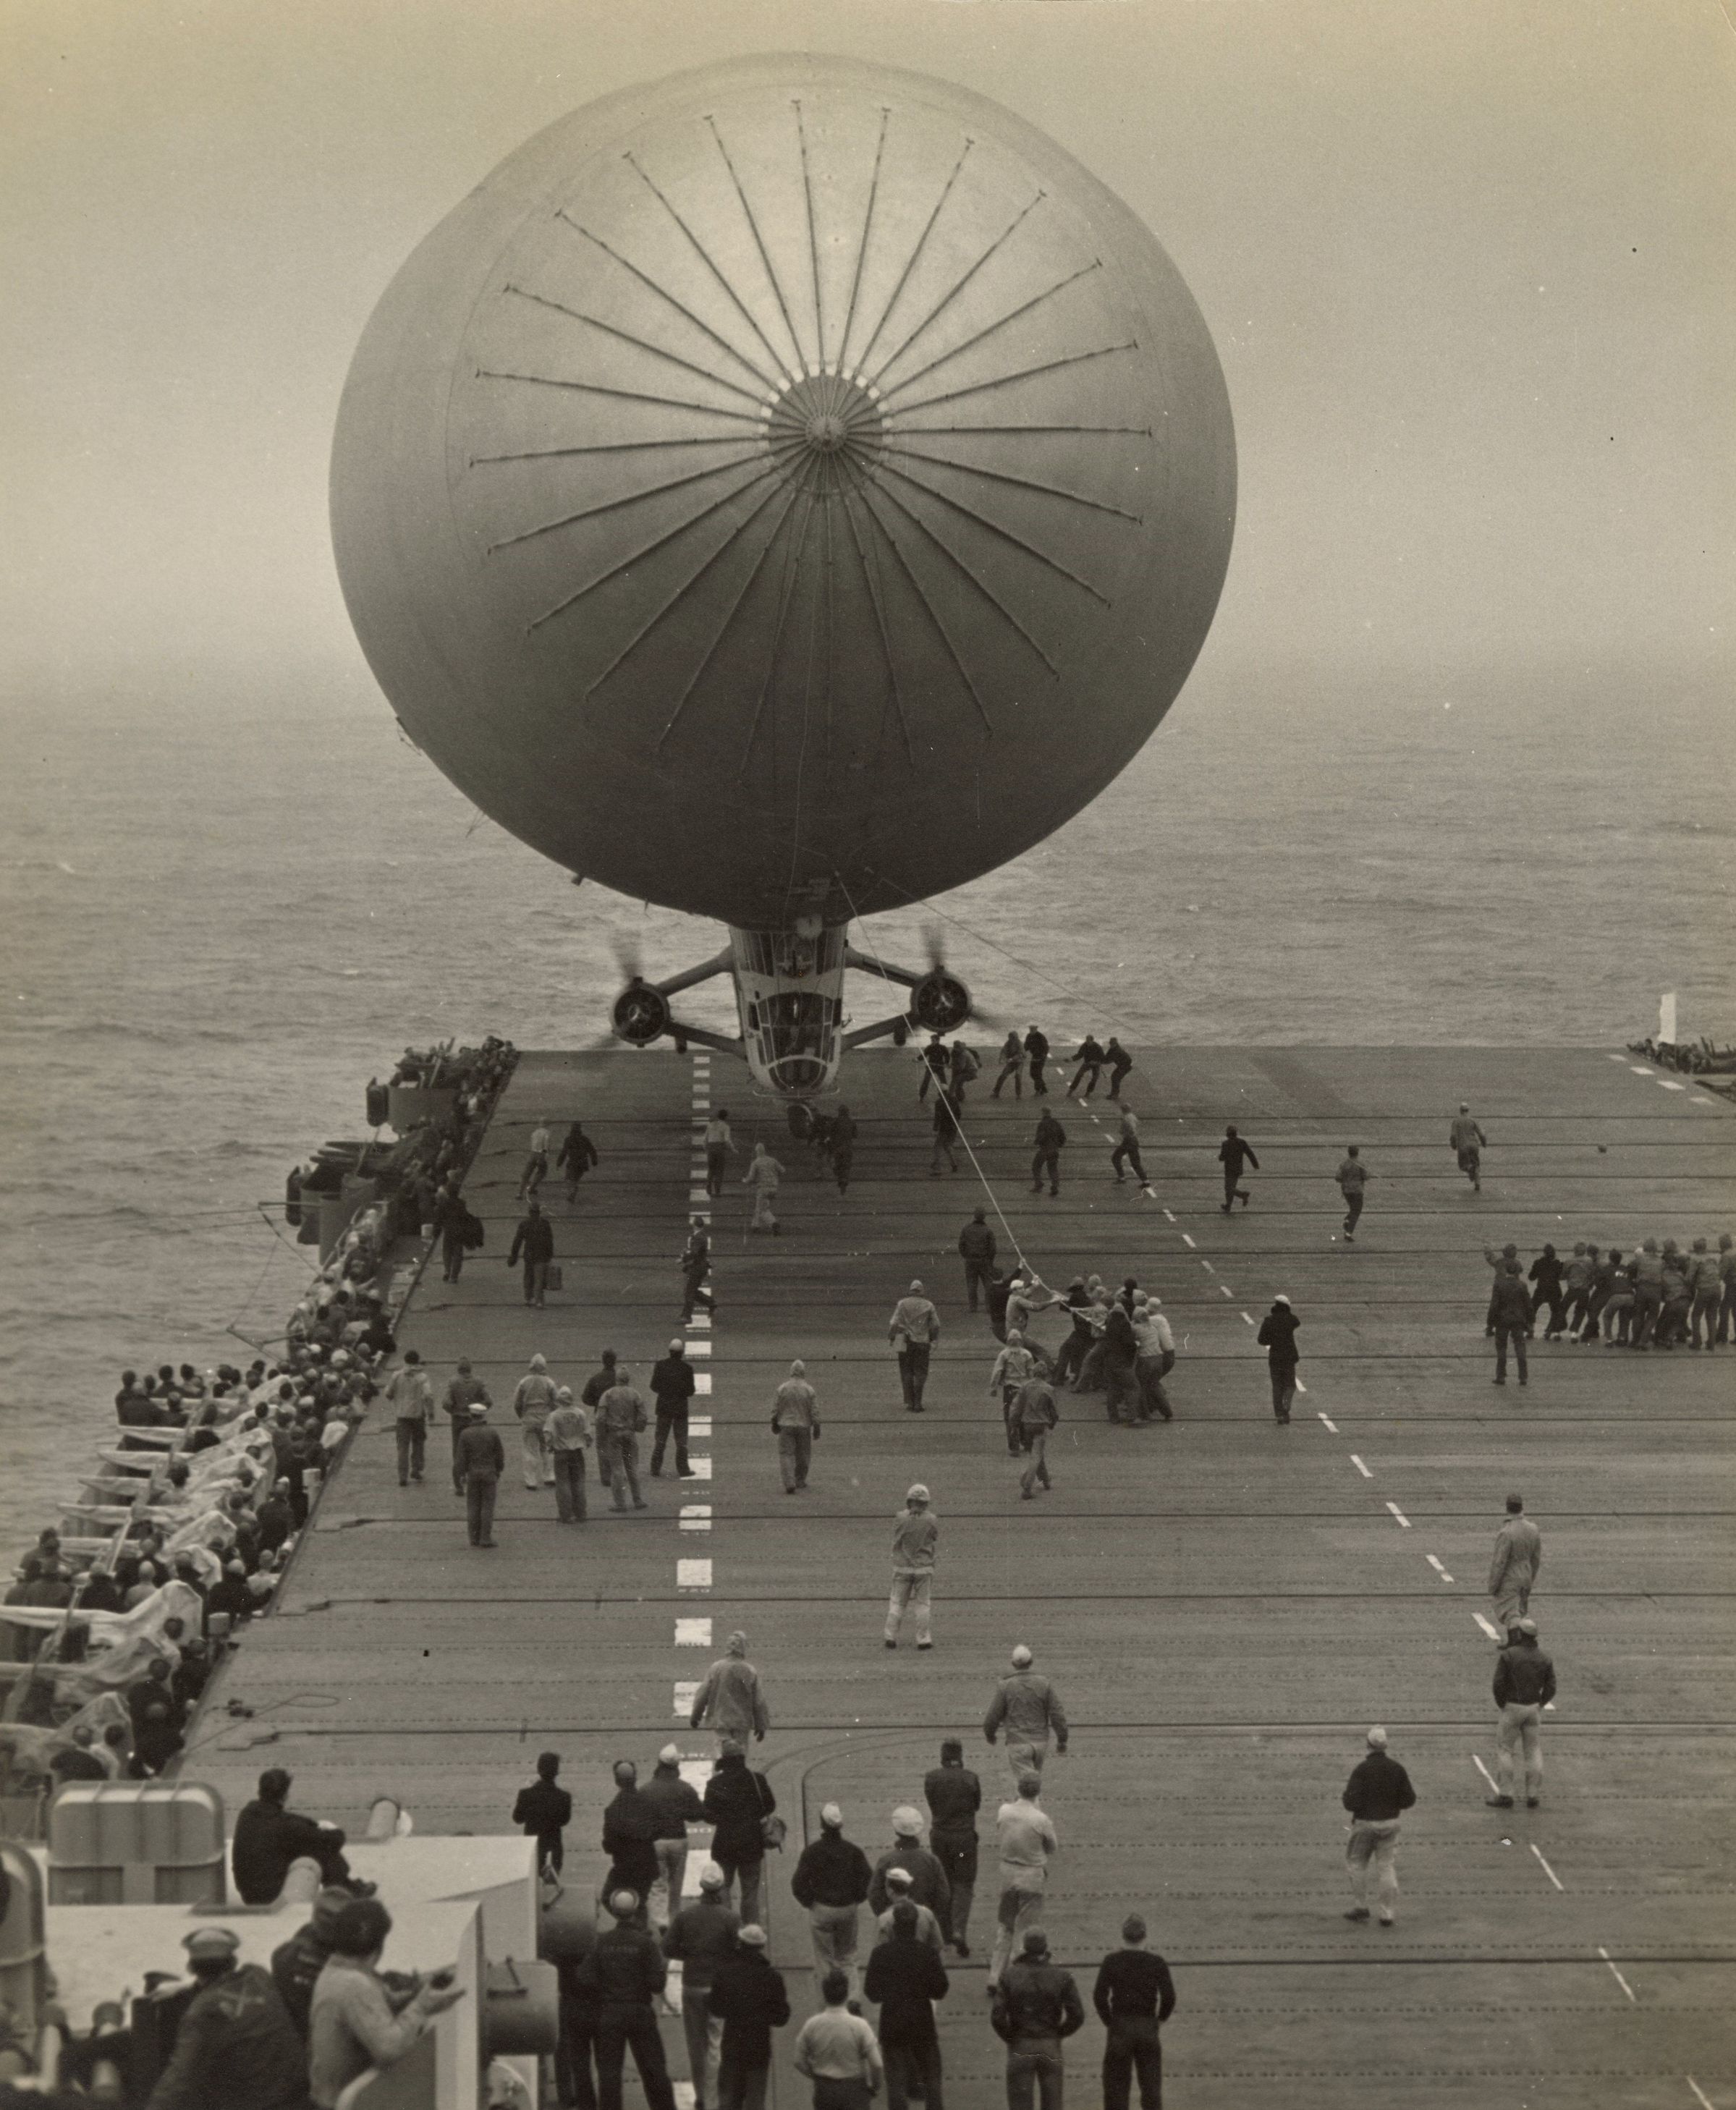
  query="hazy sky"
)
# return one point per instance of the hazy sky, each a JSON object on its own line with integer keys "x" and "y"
{"x": 1471, "y": 265}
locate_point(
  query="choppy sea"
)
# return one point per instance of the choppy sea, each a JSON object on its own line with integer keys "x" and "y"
{"x": 221, "y": 915}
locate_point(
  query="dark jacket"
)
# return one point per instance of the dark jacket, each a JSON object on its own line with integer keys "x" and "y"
{"x": 675, "y": 1802}
{"x": 1050, "y": 1135}
{"x": 534, "y": 1238}
{"x": 479, "y": 1455}
{"x": 629, "y": 1826}
{"x": 577, "y": 1151}
{"x": 1035, "y": 2000}
{"x": 1134, "y": 1982}
{"x": 1509, "y": 1301}
{"x": 954, "y": 1795}
{"x": 700, "y": 1937}
{"x": 1036, "y": 1045}
{"x": 1546, "y": 1272}
{"x": 977, "y": 1242}
{"x": 1089, "y": 1051}
{"x": 266, "y": 1840}
{"x": 905, "y": 1977}
{"x": 295, "y": 1965}
{"x": 1277, "y": 1336}
{"x": 830, "y": 1871}
{"x": 672, "y": 1381}
{"x": 626, "y": 1968}
{"x": 749, "y": 1997}
{"x": 736, "y": 1800}
{"x": 1234, "y": 1151}
{"x": 1379, "y": 1790}
{"x": 1121, "y": 1343}
{"x": 1523, "y": 1674}
{"x": 928, "y": 1883}
{"x": 595, "y": 1387}
{"x": 236, "y": 2049}
{"x": 543, "y": 1808}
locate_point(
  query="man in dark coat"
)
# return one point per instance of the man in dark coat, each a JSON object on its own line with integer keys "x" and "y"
{"x": 629, "y": 1835}
{"x": 1377, "y": 1795}
{"x": 623, "y": 1974}
{"x": 1232, "y": 1153}
{"x": 1091, "y": 1057}
{"x": 577, "y": 1155}
{"x": 535, "y": 1239}
{"x": 1050, "y": 1140}
{"x": 269, "y": 1836}
{"x": 544, "y": 1811}
{"x": 1036, "y": 1047}
{"x": 1510, "y": 1316}
{"x": 1277, "y": 1336}
{"x": 1134, "y": 1997}
{"x": 479, "y": 1461}
{"x": 905, "y": 1977}
{"x": 749, "y": 1998}
{"x": 672, "y": 1385}
{"x": 296, "y": 1963}
{"x": 736, "y": 1801}
{"x": 954, "y": 1795}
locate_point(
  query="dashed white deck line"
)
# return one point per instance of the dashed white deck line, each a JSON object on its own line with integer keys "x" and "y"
{"x": 693, "y": 1574}
{"x": 693, "y": 1633}
{"x": 1626, "y": 1988}
{"x": 1185, "y": 1239}
{"x": 682, "y": 2090}
{"x": 1549, "y": 1871}
{"x": 1302, "y": 1387}
{"x": 1484, "y": 1624}
{"x": 1669, "y": 1084}
{"x": 1361, "y": 1467}
{"x": 1700, "y": 1102}
{"x": 1616, "y": 1058}
{"x": 1330, "y": 1425}
{"x": 1639, "y": 1069}
{"x": 1169, "y": 1215}
{"x": 696, "y": 1770}
{"x": 702, "y": 1389}
{"x": 1493, "y": 1785}
{"x": 1435, "y": 1565}
{"x": 1209, "y": 1267}
{"x": 699, "y": 1425}
{"x": 1700, "y": 2095}
{"x": 1224, "y": 1290}
{"x": 687, "y": 1692}
{"x": 699, "y": 1348}
{"x": 701, "y": 1466}
{"x": 1400, "y": 1517}
{"x": 699, "y": 1323}
{"x": 694, "y": 1516}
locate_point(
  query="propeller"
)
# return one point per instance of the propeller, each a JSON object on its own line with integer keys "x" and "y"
{"x": 629, "y": 955}
{"x": 934, "y": 944}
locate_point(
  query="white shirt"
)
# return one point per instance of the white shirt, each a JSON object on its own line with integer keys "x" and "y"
{"x": 539, "y": 1142}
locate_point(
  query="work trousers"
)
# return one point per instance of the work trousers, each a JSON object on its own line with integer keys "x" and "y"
{"x": 536, "y": 1282}
{"x": 1557, "y": 1309}
{"x": 841, "y": 1161}
{"x": 1232, "y": 1187}
{"x": 1283, "y": 1376}
{"x": 1149, "y": 1370}
{"x": 1705, "y": 1307}
{"x": 533, "y": 1450}
{"x": 671, "y": 1421}
{"x": 1132, "y": 2046}
{"x": 1506, "y": 1332}
{"x": 575, "y": 2051}
{"x": 752, "y": 1875}
{"x": 412, "y": 1437}
{"x": 1513, "y": 1603}
{"x": 460, "y": 1423}
{"x": 715, "y": 1157}
{"x": 1070, "y": 1357}
{"x": 1025, "y": 1754}
{"x": 942, "y": 1143}
{"x": 695, "y": 1292}
{"x": 536, "y": 1171}
{"x": 763, "y": 1218}
{"x": 1093, "y": 1071}
{"x": 977, "y": 1275}
{"x": 1726, "y": 1311}
{"x": 795, "y": 1448}
{"x": 1034, "y": 2073}
{"x": 1046, "y": 1165}
{"x": 910, "y": 1593}
{"x": 913, "y": 1371}
{"x": 838, "y": 2094}
{"x": 479, "y": 1496}
{"x": 1038, "y": 1064}
{"x": 452, "y": 1252}
{"x": 1353, "y": 1209}
{"x": 1117, "y": 1075}
{"x": 741, "y": 2081}
{"x": 1618, "y": 1318}
{"x": 1038, "y": 1468}
{"x": 622, "y": 1456}
{"x": 833, "y": 1929}
{"x": 958, "y": 1858}
{"x": 704, "y": 2032}
{"x": 1122, "y": 1389}
{"x": 1372, "y": 1855}
{"x": 1648, "y": 1304}
{"x": 1018, "y": 1909}
{"x": 1516, "y": 1737}
{"x": 664, "y": 1901}
{"x": 1471, "y": 1164}
{"x": 618, "y": 2026}
{"x": 913, "y": 2067}
{"x": 1013, "y": 1069}
{"x": 1127, "y": 1152}
{"x": 569, "y": 1486}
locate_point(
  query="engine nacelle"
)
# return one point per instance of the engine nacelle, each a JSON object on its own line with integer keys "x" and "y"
{"x": 641, "y": 1014}
{"x": 940, "y": 1002}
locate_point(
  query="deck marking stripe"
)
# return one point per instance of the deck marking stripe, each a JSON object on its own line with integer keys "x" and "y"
{"x": 1485, "y": 1772}
{"x": 1549, "y": 1871}
{"x": 1435, "y": 1565}
{"x": 1185, "y": 1239}
{"x": 1209, "y": 1267}
{"x": 1701, "y": 2097}
{"x": 1404, "y": 1521}
{"x": 699, "y": 1348}
{"x": 1248, "y": 1321}
{"x": 1361, "y": 1467}
{"x": 694, "y": 1516}
{"x": 702, "y": 1387}
{"x": 1626, "y": 1988}
{"x": 1486, "y": 1629}
{"x": 1171, "y": 1215}
{"x": 1332, "y": 1425}
{"x": 693, "y": 1633}
{"x": 700, "y": 1465}
{"x": 1639, "y": 1069}
{"x": 700, "y": 1425}
{"x": 1302, "y": 1387}
{"x": 693, "y": 1574}
{"x": 687, "y": 1692}
{"x": 1224, "y": 1290}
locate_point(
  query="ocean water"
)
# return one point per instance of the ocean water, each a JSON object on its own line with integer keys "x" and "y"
{"x": 221, "y": 915}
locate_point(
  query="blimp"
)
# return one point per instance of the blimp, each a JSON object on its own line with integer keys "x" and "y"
{"x": 783, "y": 492}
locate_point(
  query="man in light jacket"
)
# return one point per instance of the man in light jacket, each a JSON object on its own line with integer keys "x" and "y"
{"x": 796, "y": 1422}
{"x": 533, "y": 1402}
{"x": 916, "y": 1533}
{"x": 915, "y": 1328}
{"x": 730, "y": 1703}
{"x": 1518, "y": 1554}
{"x": 1029, "y": 1708}
{"x": 355, "y": 2020}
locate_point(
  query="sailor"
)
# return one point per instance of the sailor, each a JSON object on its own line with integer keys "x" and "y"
{"x": 482, "y": 1458}
{"x": 358, "y": 2018}
{"x": 1012, "y": 1065}
{"x": 1518, "y": 1555}
{"x": 1089, "y": 1055}
{"x": 699, "y": 1937}
{"x": 629, "y": 1836}
{"x": 1277, "y": 1336}
{"x": 1134, "y": 1997}
{"x": 620, "y": 1419}
{"x": 763, "y": 1175}
{"x": 796, "y": 1422}
{"x": 976, "y": 1248}
{"x": 945, "y": 1126}
{"x": 730, "y": 1703}
{"x": 831, "y": 1880}
{"x": 1126, "y": 1150}
{"x": 543, "y": 1811}
{"x": 533, "y": 1402}
{"x": 1524, "y": 1685}
{"x": 236, "y": 2048}
{"x": 928, "y": 1883}
{"x": 1013, "y": 1366}
{"x": 695, "y": 1265}
{"x": 905, "y": 1977}
{"x": 1050, "y": 1140}
{"x": 1353, "y": 1178}
{"x": 1025, "y": 1841}
{"x": 916, "y": 1533}
{"x": 1377, "y": 1795}
{"x": 1120, "y": 1062}
{"x": 577, "y": 1154}
{"x": 1510, "y": 1314}
{"x": 719, "y": 1148}
{"x": 1468, "y": 1142}
{"x": 1036, "y": 1049}
{"x": 1029, "y": 1708}
{"x": 914, "y": 1328}
{"x": 1235, "y": 1152}
{"x": 536, "y": 1164}
{"x": 464, "y": 1391}
{"x": 1034, "y": 1414}
{"x": 843, "y": 1146}
{"x": 535, "y": 1238}
{"x": 752, "y": 2000}
{"x": 676, "y": 1804}
{"x": 672, "y": 1385}
{"x": 954, "y": 1795}
{"x": 624, "y": 1973}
